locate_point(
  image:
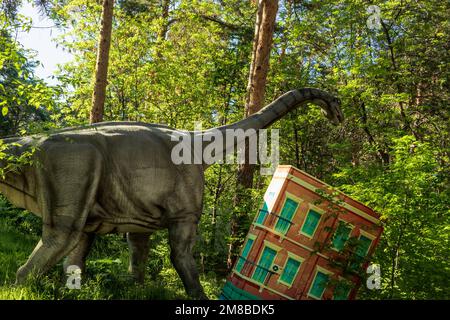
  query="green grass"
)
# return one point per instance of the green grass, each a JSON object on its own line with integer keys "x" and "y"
{"x": 106, "y": 275}
{"x": 14, "y": 249}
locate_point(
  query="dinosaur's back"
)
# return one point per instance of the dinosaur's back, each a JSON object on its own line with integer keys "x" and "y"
{"x": 139, "y": 185}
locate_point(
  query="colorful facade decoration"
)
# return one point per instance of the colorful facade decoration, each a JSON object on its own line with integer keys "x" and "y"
{"x": 306, "y": 242}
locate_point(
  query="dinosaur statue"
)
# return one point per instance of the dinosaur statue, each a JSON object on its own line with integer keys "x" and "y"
{"x": 119, "y": 177}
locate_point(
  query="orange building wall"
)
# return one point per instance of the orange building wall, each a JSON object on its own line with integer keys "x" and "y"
{"x": 295, "y": 242}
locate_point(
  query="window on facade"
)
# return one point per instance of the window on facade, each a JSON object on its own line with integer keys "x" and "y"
{"x": 284, "y": 220}
{"x": 290, "y": 271}
{"x": 319, "y": 284}
{"x": 361, "y": 251}
{"x": 341, "y": 236}
{"x": 342, "y": 291}
{"x": 262, "y": 214}
{"x": 311, "y": 222}
{"x": 264, "y": 264}
{"x": 363, "y": 246}
{"x": 244, "y": 255}
{"x": 264, "y": 211}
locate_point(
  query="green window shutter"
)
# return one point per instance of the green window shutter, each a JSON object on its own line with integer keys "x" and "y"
{"x": 289, "y": 208}
{"x": 262, "y": 214}
{"x": 361, "y": 251}
{"x": 290, "y": 270}
{"x": 319, "y": 284}
{"x": 264, "y": 264}
{"x": 311, "y": 222}
{"x": 341, "y": 236}
{"x": 341, "y": 292}
{"x": 363, "y": 246}
{"x": 241, "y": 260}
{"x": 264, "y": 211}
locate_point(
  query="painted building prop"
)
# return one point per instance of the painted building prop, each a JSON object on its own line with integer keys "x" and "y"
{"x": 306, "y": 242}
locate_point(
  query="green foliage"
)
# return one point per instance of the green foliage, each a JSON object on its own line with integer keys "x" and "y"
{"x": 14, "y": 162}
{"x": 25, "y": 101}
{"x": 20, "y": 220}
{"x": 413, "y": 196}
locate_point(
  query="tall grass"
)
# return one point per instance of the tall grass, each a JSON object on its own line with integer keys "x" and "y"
{"x": 106, "y": 274}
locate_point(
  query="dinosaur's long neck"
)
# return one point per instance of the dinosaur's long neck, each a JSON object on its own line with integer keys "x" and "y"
{"x": 279, "y": 108}
{"x": 269, "y": 114}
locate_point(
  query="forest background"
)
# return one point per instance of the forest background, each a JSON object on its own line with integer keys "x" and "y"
{"x": 177, "y": 62}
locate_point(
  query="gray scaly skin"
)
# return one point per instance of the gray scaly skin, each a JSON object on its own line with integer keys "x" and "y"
{"x": 119, "y": 177}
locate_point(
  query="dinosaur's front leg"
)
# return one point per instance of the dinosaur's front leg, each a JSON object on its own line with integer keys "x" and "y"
{"x": 138, "y": 244}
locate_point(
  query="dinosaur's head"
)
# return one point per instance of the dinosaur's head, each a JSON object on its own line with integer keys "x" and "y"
{"x": 331, "y": 108}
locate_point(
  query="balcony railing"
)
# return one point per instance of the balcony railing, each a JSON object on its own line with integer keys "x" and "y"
{"x": 272, "y": 223}
{"x": 275, "y": 215}
{"x": 249, "y": 268}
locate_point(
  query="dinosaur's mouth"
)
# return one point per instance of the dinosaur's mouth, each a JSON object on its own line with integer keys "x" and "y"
{"x": 333, "y": 113}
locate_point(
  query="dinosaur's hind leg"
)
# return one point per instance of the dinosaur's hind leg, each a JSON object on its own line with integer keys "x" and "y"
{"x": 66, "y": 190}
{"x": 54, "y": 245}
{"x": 182, "y": 236}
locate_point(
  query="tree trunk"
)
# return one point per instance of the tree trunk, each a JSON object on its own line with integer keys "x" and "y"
{"x": 165, "y": 15}
{"x": 101, "y": 69}
{"x": 262, "y": 43}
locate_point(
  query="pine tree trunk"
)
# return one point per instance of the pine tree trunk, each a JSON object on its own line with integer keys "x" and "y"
{"x": 165, "y": 15}
{"x": 262, "y": 43}
{"x": 264, "y": 28}
{"x": 101, "y": 69}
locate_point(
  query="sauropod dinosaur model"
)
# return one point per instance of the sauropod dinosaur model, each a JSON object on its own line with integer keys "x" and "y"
{"x": 119, "y": 177}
